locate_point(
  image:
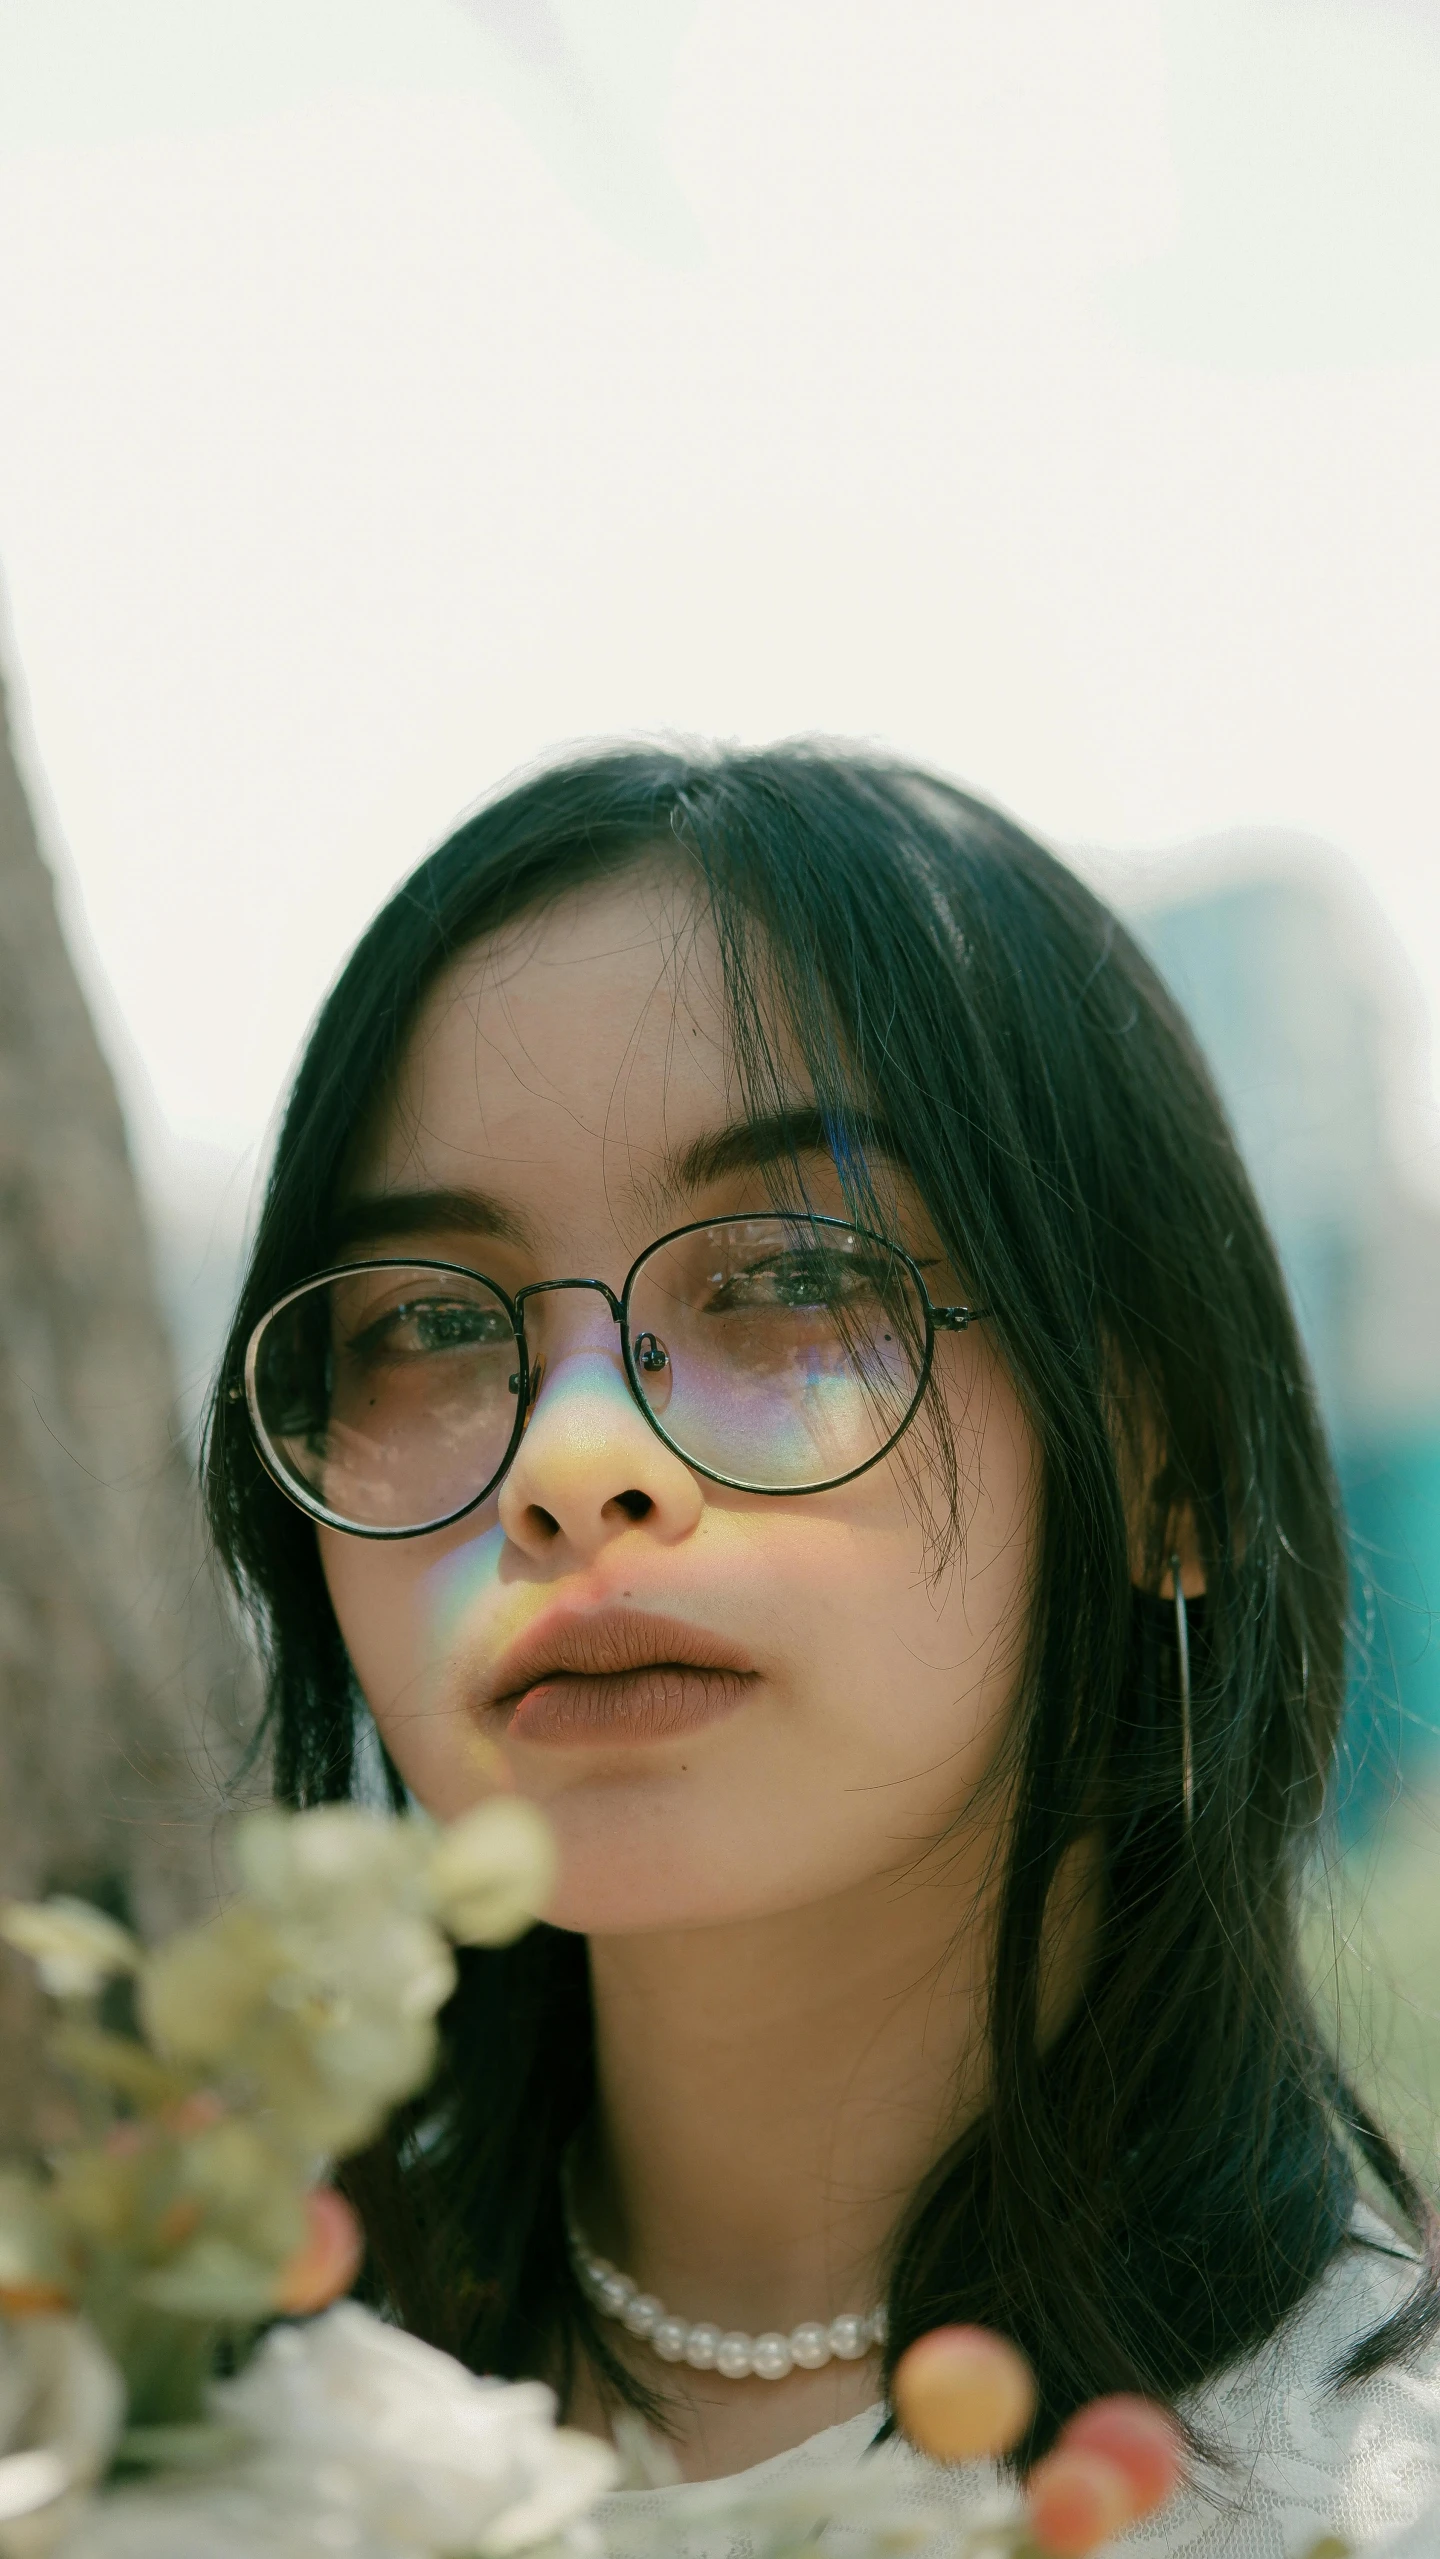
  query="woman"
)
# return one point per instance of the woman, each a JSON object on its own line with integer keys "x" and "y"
{"x": 759, "y": 1338}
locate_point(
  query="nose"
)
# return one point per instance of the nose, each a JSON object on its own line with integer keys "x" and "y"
{"x": 589, "y": 1469}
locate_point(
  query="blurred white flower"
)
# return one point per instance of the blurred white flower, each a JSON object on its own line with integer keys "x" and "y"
{"x": 212, "y": 2278}
{"x": 492, "y": 1871}
{"x": 321, "y": 1983}
{"x": 273, "y": 2036}
{"x": 363, "y": 2440}
{"x": 307, "y": 1867}
{"x": 226, "y": 2517}
{"x": 61, "y": 2406}
{"x": 32, "y": 2254}
{"x": 75, "y": 1949}
{"x": 451, "y": 2462}
{"x": 198, "y": 1993}
{"x": 328, "y": 2010}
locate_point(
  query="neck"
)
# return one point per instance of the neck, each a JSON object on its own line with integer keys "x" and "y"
{"x": 771, "y": 2092}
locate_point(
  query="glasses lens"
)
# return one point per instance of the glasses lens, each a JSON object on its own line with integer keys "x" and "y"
{"x": 780, "y": 1352}
{"x": 387, "y": 1396}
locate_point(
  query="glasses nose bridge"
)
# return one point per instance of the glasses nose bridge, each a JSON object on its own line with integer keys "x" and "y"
{"x": 547, "y": 1288}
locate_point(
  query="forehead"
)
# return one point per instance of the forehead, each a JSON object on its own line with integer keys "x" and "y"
{"x": 616, "y": 964}
{"x": 590, "y": 1034}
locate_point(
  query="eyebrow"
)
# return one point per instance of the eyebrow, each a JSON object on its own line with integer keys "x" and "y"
{"x": 748, "y": 1145}
{"x": 744, "y": 1146}
{"x": 378, "y": 1217}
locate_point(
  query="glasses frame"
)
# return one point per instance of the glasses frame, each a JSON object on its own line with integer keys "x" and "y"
{"x": 938, "y": 1319}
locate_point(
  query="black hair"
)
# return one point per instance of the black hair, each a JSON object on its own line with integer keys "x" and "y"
{"x": 1150, "y": 2193}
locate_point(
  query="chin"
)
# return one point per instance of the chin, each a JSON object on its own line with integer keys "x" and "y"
{"x": 594, "y": 1901}
{"x": 605, "y": 1913}
{"x": 625, "y": 1870}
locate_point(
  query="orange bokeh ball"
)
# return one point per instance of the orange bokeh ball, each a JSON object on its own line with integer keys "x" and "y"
{"x": 1076, "y": 2500}
{"x": 1143, "y": 2441}
{"x": 963, "y": 2394}
{"x": 328, "y": 2258}
{"x": 1115, "y": 2461}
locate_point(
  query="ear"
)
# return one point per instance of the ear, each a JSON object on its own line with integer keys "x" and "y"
{"x": 1139, "y": 1441}
{"x": 1184, "y": 1544}
{"x": 1152, "y": 1559}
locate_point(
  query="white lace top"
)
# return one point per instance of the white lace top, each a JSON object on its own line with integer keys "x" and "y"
{"x": 1359, "y": 2462}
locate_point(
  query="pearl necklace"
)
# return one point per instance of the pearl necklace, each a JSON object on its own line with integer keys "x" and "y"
{"x": 706, "y": 2348}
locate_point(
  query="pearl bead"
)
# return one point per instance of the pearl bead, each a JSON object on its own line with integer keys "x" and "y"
{"x": 703, "y": 2345}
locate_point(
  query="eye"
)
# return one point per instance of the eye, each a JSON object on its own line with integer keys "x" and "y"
{"x": 804, "y": 1278}
{"x": 426, "y": 1327}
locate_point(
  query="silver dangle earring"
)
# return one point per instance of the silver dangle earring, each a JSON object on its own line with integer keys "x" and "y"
{"x": 1182, "y": 1647}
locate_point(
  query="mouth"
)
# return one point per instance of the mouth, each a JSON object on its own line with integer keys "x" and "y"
{"x": 615, "y": 1675}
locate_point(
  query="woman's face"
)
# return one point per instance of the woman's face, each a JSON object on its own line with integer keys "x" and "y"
{"x": 730, "y": 1704}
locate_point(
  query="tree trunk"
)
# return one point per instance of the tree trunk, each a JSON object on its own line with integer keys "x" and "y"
{"x": 124, "y": 1685}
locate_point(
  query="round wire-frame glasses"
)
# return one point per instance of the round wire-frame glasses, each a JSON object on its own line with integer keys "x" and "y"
{"x": 896, "y": 1385}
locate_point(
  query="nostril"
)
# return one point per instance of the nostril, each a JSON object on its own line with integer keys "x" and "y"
{"x": 635, "y": 1505}
{"x": 544, "y": 1523}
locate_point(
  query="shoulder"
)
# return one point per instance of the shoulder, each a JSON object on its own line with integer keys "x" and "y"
{"x": 1303, "y": 2456}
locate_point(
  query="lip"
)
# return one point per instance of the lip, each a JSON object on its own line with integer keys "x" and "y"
{"x": 615, "y": 1675}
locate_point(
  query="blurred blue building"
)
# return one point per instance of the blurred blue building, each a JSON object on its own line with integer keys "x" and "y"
{"x": 1309, "y": 1020}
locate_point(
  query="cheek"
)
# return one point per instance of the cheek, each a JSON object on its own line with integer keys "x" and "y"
{"x": 913, "y": 1670}
{"x": 372, "y": 1591}
{"x": 903, "y": 1679}
{"x": 390, "y": 1604}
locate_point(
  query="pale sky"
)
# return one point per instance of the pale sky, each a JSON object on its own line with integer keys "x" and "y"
{"x": 390, "y": 389}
